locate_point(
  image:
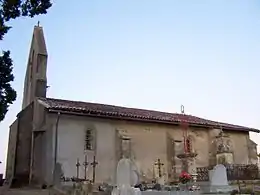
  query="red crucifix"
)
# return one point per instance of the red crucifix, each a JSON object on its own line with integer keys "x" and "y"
{"x": 184, "y": 124}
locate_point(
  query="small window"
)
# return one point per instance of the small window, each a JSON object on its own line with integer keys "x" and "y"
{"x": 37, "y": 64}
{"x": 32, "y": 57}
{"x": 189, "y": 145}
{"x": 31, "y": 64}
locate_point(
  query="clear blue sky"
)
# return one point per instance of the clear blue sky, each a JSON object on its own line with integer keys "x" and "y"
{"x": 155, "y": 54}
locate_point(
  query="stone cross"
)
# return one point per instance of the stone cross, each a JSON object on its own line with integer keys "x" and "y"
{"x": 77, "y": 169}
{"x": 159, "y": 165}
{"x": 85, "y": 164}
{"x": 94, "y": 164}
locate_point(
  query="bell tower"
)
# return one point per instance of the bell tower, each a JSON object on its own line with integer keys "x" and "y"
{"x": 35, "y": 82}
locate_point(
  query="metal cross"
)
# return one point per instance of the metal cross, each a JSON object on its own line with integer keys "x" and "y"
{"x": 77, "y": 167}
{"x": 38, "y": 23}
{"x": 85, "y": 164}
{"x": 94, "y": 164}
{"x": 159, "y": 164}
{"x": 182, "y": 109}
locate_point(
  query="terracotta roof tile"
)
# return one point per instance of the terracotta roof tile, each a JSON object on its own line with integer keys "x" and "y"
{"x": 104, "y": 110}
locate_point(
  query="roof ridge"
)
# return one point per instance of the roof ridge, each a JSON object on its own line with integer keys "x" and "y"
{"x": 121, "y": 112}
{"x": 120, "y": 106}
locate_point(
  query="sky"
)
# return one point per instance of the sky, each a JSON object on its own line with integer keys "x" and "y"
{"x": 152, "y": 54}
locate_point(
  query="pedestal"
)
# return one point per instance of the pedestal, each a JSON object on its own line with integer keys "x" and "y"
{"x": 189, "y": 165}
{"x": 161, "y": 180}
{"x": 185, "y": 165}
{"x": 192, "y": 169}
{"x": 225, "y": 158}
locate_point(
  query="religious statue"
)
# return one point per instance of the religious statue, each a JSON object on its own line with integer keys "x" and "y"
{"x": 223, "y": 143}
{"x": 224, "y": 154}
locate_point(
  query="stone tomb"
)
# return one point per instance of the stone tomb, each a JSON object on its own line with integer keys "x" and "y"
{"x": 218, "y": 180}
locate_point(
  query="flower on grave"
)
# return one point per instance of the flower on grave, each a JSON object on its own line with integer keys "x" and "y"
{"x": 184, "y": 177}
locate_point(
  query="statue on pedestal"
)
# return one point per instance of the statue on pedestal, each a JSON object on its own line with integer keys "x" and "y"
{"x": 224, "y": 151}
{"x": 189, "y": 155}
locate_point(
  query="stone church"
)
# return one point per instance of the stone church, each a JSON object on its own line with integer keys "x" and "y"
{"x": 53, "y": 137}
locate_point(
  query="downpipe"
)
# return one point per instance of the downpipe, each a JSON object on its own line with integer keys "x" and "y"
{"x": 55, "y": 147}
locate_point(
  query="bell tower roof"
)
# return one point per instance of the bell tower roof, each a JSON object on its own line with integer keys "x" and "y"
{"x": 39, "y": 38}
{"x": 35, "y": 81}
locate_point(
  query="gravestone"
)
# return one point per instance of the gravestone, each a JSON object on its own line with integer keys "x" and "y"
{"x": 123, "y": 173}
{"x": 125, "y": 178}
{"x": 219, "y": 176}
{"x": 218, "y": 181}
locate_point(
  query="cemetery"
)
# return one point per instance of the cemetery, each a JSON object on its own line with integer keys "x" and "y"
{"x": 222, "y": 178}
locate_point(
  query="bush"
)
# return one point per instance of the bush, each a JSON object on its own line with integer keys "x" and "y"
{"x": 246, "y": 191}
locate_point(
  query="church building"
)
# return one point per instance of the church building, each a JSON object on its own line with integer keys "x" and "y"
{"x": 53, "y": 138}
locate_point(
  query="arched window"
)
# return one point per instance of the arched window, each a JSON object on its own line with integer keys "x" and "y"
{"x": 125, "y": 146}
{"x": 89, "y": 139}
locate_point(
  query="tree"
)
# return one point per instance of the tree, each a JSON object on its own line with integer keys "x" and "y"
{"x": 9, "y": 10}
